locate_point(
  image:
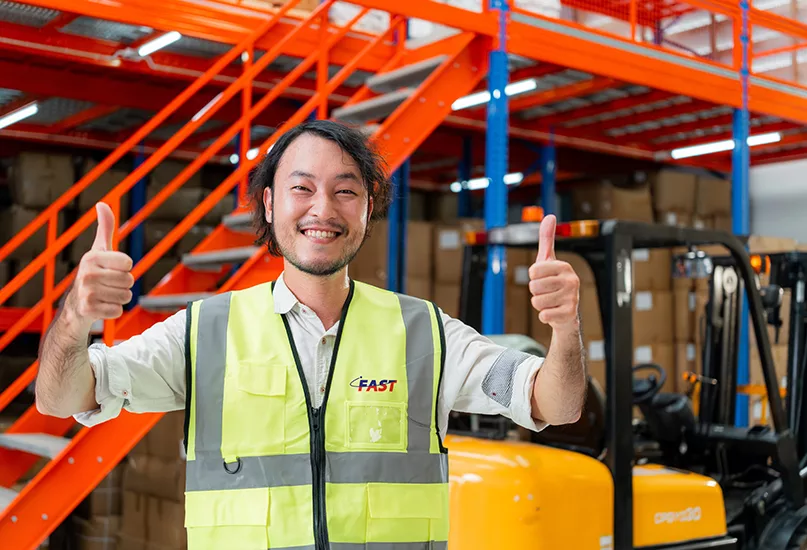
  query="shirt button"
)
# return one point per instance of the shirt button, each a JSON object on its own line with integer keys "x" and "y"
{"x": 322, "y": 389}
{"x": 324, "y": 341}
{"x": 125, "y": 392}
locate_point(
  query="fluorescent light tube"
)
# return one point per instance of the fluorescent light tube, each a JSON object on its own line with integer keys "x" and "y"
{"x": 725, "y": 145}
{"x": 480, "y": 98}
{"x": 20, "y": 114}
{"x": 252, "y": 153}
{"x": 158, "y": 43}
{"x": 481, "y": 183}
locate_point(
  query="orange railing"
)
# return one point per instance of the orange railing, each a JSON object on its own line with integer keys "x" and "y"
{"x": 236, "y": 178}
{"x": 778, "y": 47}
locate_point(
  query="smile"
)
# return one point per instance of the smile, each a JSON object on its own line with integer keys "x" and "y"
{"x": 319, "y": 234}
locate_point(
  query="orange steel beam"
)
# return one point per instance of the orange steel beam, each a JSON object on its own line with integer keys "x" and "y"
{"x": 225, "y": 24}
{"x": 596, "y": 84}
{"x": 94, "y": 112}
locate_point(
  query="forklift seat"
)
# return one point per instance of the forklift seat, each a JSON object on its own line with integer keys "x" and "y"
{"x": 587, "y": 435}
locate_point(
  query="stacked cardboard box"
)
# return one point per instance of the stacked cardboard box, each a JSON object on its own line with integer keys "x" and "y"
{"x": 448, "y": 253}
{"x": 673, "y": 197}
{"x": 98, "y": 518}
{"x": 153, "y": 490}
{"x": 713, "y": 204}
{"x": 606, "y": 200}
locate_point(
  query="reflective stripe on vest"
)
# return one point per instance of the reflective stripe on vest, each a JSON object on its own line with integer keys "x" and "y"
{"x": 249, "y": 473}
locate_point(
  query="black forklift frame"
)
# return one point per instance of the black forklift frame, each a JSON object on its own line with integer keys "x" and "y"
{"x": 609, "y": 254}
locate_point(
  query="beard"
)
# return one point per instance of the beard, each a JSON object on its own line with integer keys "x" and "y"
{"x": 323, "y": 268}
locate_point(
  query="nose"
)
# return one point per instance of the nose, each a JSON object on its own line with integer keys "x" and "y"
{"x": 322, "y": 205}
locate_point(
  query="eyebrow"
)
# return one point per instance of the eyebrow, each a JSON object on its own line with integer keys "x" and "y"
{"x": 343, "y": 176}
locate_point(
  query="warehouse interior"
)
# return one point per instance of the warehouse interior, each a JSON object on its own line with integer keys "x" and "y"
{"x": 683, "y": 121}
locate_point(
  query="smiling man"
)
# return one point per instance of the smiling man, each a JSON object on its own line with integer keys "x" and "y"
{"x": 316, "y": 405}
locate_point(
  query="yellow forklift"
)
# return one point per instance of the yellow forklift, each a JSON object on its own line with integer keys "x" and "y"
{"x": 676, "y": 481}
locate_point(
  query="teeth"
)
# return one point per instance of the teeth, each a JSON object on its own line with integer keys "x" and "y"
{"x": 321, "y": 234}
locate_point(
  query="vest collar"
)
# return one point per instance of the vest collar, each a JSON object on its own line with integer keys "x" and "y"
{"x": 284, "y": 299}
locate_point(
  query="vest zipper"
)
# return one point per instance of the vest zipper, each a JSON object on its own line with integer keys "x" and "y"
{"x": 318, "y": 467}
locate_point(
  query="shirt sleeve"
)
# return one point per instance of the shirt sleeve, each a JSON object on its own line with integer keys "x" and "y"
{"x": 485, "y": 378}
{"x": 145, "y": 373}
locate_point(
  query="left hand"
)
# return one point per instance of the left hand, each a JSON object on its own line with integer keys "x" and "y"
{"x": 554, "y": 285}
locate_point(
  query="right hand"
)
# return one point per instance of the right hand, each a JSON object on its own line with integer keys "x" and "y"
{"x": 103, "y": 282}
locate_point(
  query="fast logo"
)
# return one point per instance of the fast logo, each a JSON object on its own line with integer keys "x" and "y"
{"x": 372, "y": 385}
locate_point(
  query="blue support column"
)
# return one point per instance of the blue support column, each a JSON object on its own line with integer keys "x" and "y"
{"x": 397, "y": 217}
{"x": 496, "y": 163}
{"x": 741, "y": 161}
{"x": 137, "y": 244}
{"x": 548, "y": 173}
{"x": 466, "y": 166}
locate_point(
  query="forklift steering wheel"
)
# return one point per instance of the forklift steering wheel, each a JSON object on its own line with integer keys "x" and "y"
{"x": 645, "y": 389}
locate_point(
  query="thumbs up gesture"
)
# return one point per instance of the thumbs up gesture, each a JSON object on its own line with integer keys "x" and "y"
{"x": 103, "y": 282}
{"x": 554, "y": 285}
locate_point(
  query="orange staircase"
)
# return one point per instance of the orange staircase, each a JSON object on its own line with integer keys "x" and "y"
{"x": 399, "y": 107}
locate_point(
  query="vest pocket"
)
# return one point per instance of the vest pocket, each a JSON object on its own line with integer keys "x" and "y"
{"x": 376, "y": 425}
{"x": 227, "y": 519}
{"x": 404, "y": 512}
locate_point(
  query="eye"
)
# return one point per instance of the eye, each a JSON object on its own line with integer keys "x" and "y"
{"x": 300, "y": 188}
{"x": 347, "y": 191}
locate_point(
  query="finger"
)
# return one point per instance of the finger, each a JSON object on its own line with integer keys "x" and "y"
{"x": 546, "y": 239}
{"x": 548, "y": 301}
{"x": 561, "y": 314}
{"x": 114, "y": 260}
{"x": 106, "y": 227}
{"x": 550, "y": 268}
{"x": 111, "y": 278}
{"x": 108, "y": 311}
{"x": 545, "y": 285}
{"x": 109, "y": 295}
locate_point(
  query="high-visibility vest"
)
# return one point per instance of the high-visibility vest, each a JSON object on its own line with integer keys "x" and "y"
{"x": 367, "y": 470}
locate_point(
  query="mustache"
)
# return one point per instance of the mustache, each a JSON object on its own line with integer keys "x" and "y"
{"x": 327, "y": 226}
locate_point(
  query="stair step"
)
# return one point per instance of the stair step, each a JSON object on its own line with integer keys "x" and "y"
{"x": 408, "y": 76}
{"x": 7, "y": 496}
{"x": 36, "y": 444}
{"x": 216, "y": 258}
{"x": 241, "y": 222}
{"x": 372, "y": 109}
{"x": 171, "y": 301}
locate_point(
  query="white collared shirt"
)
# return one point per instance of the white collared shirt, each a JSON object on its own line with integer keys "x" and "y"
{"x": 146, "y": 373}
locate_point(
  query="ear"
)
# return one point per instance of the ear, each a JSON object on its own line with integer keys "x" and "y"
{"x": 369, "y": 207}
{"x": 267, "y": 204}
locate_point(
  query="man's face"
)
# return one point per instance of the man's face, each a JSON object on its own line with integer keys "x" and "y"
{"x": 320, "y": 207}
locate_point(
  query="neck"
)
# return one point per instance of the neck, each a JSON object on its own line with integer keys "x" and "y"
{"x": 325, "y": 295}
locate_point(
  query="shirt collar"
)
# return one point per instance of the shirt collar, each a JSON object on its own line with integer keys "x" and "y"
{"x": 284, "y": 299}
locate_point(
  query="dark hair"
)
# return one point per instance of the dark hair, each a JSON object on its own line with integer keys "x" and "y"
{"x": 371, "y": 164}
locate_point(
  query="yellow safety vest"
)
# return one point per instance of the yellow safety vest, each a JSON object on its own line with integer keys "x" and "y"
{"x": 367, "y": 470}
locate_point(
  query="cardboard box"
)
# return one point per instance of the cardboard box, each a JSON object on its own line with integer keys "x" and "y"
{"x": 14, "y": 219}
{"x": 134, "y": 515}
{"x": 193, "y": 237}
{"x": 758, "y": 244}
{"x": 32, "y": 291}
{"x": 102, "y": 185}
{"x": 517, "y": 309}
{"x": 684, "y": 314}
{"x": 673, "y": 191}
{"x": 684, "y": 362}
{"x": 595, "y": 360}
{"x": 419, "y": 287}
{"x": 156, "y": 477}
{"x": 166, "y": 437}
{"x": 447, "y": 298}
{"x": 659, "y": 354}
{"x": 603, "y": 200}
{"x": 652, "y": 318}
{"x": 166, "y": 523}
{"x": 5, "y": 273}
{"x": 36, "y": 180}
{"x": 169, "y": 169}
{"x": 449, "y": 248}
{"x": 126, "y": 542}
{"x": 580, "y": 266}
{"x": 519, "y": 261}
{"x": 674, "y": 219}
{"x": 652, "y": 269}
{"x": 779, "y": 355}
{"x": 102, "y": 502}
{"x": 371, "y": 261}
{"x": 178, "y": 204}
{"x": 722, "y": 223}
{"x": 713, "y": 197}
{"x": 83, "y": 243}
{"x": 97, "y": 533}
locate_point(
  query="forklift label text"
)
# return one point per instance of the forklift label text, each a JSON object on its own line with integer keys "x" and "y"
{"x": 690, "y": 514}
{"x": 373, "y": 385}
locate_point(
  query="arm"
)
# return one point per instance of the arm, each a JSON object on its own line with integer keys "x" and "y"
{"x": 65, "y": 383}
{"x": 559, "y": 390}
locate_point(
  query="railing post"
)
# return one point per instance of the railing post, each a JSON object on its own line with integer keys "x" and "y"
{"x": 633, "y": 20}
{"x": 50, "y": 273}
{"x": 741, "y": 160}
{"x": 496, "y": 161}
{"x": 244, "y": 142}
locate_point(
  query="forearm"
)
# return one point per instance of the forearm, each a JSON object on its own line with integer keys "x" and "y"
{"x": 65, "y": 382}
{"x": 559, "y": 389}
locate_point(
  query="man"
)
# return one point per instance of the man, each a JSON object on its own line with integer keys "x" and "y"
{"x": 316, "y": 406}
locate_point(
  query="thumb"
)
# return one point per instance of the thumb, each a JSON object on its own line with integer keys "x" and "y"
{"x": 546, "y": 239}
{"x": 106, "y": 227}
